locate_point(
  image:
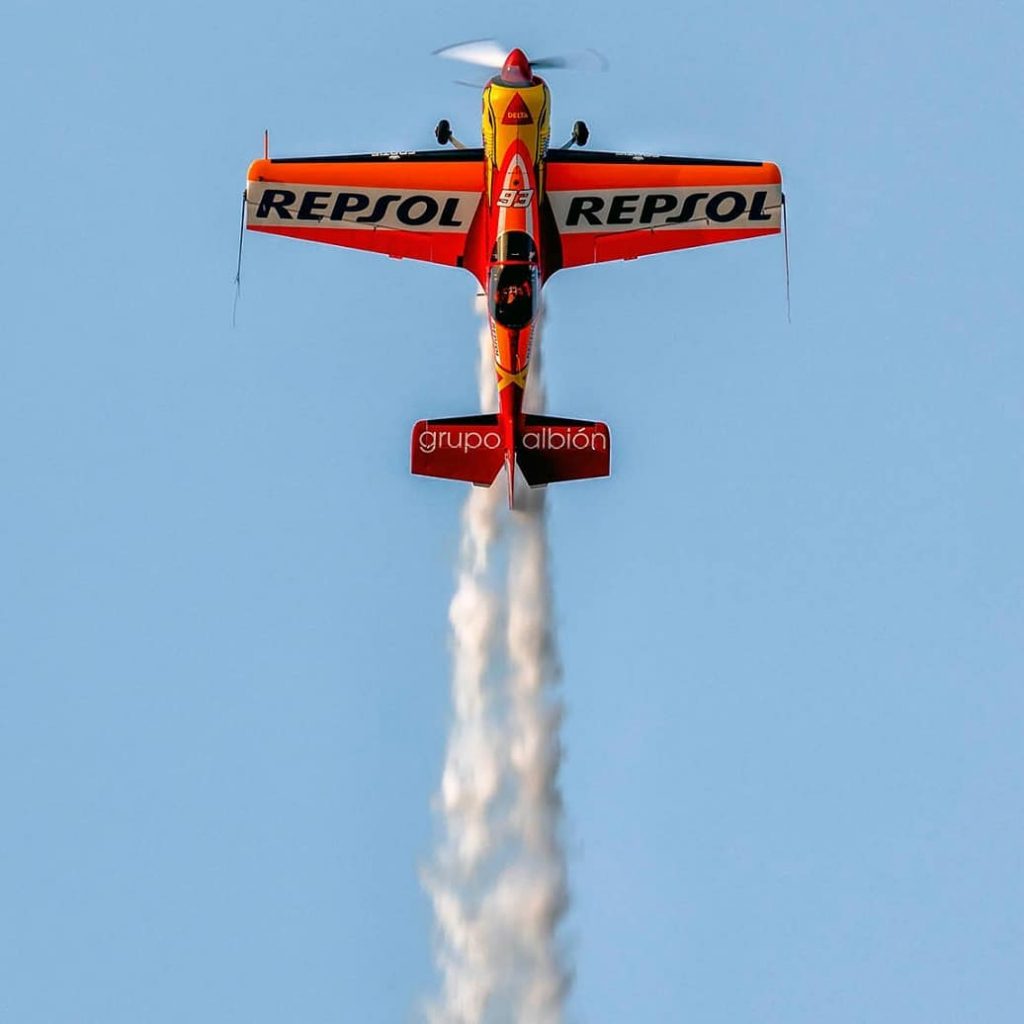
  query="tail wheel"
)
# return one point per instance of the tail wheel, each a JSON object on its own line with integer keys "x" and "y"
{"x": 443, "y": 132}
{"x": 580, "y": 133}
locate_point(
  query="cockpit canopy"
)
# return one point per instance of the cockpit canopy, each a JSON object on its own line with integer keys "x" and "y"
{"x": 511, "y": 293}
{"x": 514, "y": 245}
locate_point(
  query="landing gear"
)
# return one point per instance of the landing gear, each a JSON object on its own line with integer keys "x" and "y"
{"x": 580, "y": 134}
{"x": 443, "y": 134}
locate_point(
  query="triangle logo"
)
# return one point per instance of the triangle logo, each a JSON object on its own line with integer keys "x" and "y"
{"x": 517, "y": 112}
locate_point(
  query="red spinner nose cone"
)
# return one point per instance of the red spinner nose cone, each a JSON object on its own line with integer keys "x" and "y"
{"x": 517, "y": 70}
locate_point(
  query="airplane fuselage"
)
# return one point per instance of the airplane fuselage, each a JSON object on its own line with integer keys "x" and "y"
{"x": 516, "y": 131}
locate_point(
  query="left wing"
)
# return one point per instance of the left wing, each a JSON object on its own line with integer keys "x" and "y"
{"x": 419, "y": 205}
{"x": 617, "y": 206}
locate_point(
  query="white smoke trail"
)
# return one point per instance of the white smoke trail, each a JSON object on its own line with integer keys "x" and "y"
{"x": 535, "y": 751}
{"x": 498, "y": 883}
{"x": 473, "y": 772}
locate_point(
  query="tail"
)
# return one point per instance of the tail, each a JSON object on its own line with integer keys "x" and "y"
{"x": 550, "y": 449}
{"x": 469, "y": 448}
{"x": 547, "y": 449}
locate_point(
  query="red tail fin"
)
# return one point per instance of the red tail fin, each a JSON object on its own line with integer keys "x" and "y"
{"x": 550, "y": 449}
{"x": 462, "y": 448}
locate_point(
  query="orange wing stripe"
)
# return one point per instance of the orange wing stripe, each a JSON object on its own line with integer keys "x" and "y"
{"x": 573, "y": 177}
{"x": 454, "y": 176}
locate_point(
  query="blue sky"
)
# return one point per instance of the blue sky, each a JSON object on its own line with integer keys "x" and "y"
{"x": 790, "y": 622}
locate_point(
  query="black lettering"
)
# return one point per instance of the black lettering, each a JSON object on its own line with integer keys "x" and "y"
{"x": 448, "y": 213}
{"x": 757, "y": 207}
{"x": 657, "y": 202}
{"x": 349, "y": 202}
{"x": 739, "y": 204}
{"x": 584, "y": 206}
{"x": 618, "y": 213}
{"x": 312, "y": 206}
{"x": 379, "y": 209}
{"x": 689, "y": 206}
{"x": 276, "y": 199}
{"x": 406, "y": 216}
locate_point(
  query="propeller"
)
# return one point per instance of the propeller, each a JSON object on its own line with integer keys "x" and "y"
{"x": 489, "y": 53}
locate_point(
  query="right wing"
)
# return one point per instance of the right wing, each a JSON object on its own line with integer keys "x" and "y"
{"x": 617, "y": 206}
{"x": 418, "y": 205}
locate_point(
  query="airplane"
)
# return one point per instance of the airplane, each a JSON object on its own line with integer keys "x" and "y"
{"x": 512, "y": 212}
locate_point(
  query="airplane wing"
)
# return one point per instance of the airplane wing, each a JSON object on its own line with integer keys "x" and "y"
{"x": 419, "y": 205}
{"x": 617, "y": 206}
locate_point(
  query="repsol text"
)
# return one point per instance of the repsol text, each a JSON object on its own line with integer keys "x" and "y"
{"x": 273, "y": 203}
{"x": 738, "y": 207}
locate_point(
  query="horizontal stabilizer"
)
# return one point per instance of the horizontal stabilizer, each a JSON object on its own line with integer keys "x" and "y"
{"x": 462, "y": 448}
{"x": 551, "y": 449}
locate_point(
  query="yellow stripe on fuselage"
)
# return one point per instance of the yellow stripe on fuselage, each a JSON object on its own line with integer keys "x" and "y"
{"x": 516, "y": 129}
{"x": 516, "y": 114}
{"x": 505, "y": 378}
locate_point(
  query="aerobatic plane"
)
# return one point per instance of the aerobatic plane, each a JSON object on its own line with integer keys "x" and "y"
{"x": 513, "y": 212}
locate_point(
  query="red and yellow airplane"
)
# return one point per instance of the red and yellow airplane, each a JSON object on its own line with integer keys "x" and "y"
{"x": 513, "y": 213}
